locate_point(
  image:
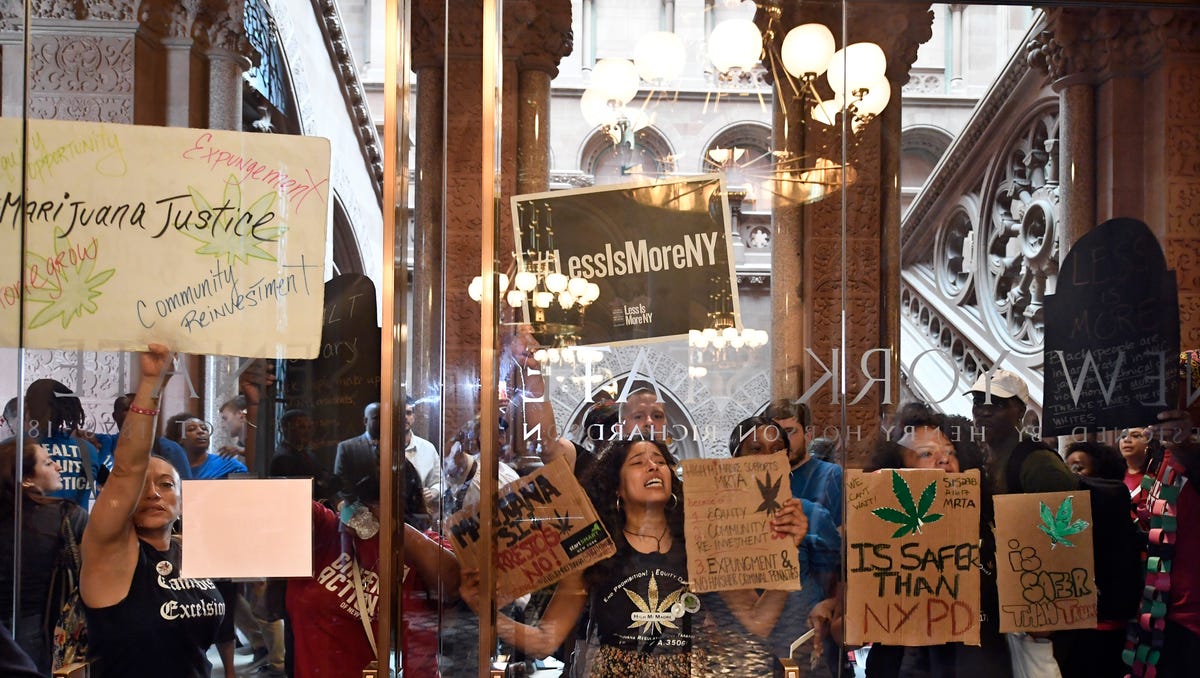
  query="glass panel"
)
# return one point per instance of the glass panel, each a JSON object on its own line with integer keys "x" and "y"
{"x": 178, "y": 189}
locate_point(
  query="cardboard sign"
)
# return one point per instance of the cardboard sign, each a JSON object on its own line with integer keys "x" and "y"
{"x": 1112, "y": 332}
{"x": 912, "y": 557}
{"x": 1046, "y": 570}
{"x": 546, "y": 529}
{"x": 660, "y": 254}
{"x": 221, "y": 543}
{"x": 344, "y": 378}
{"x": 726, "y": 509}
{"x": 133, "y": 234}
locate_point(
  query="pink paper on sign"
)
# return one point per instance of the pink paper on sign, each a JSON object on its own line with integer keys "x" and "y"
{"x": 244, "y": 529}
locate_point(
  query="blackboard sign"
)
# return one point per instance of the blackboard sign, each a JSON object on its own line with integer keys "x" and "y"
{"x": 344, "y": 378}
{"x": 1112, "y": 332}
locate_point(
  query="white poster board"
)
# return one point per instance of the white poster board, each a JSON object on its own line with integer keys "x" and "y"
{"x": 187, "y": 237}
{"x": 247, "y": 528}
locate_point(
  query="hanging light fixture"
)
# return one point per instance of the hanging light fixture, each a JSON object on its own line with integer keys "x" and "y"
{"x": 555, "y": 302}
{"x": 604, "y": 103}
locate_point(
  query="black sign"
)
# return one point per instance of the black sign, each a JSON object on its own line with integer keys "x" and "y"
{"x": 659, "y": 253}
{"x": 1112, "y": 332}
{"x": 341, "y": 381}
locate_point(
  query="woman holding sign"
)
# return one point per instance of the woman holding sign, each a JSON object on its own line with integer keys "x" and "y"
{"x": 644, "y": 621}
{"x": 143, "y": 618}
{"x": 926, "y": 439}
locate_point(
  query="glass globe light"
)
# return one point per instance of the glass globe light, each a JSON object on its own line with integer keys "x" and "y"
{"x": 556, "y": 282}
{"x": 729, "y": 332}
{"x": 718, "y": 342}
{"x": 695, "y": 339}
{"x": 737, "y": 341}
{"x": 616, "y": 80}
{"x": 736, "y": 43}
{"x": 568, "y": 355}
{"x": 526, "y": 281}
{"x": 540, "y": 355}
{"x": 876, "y": 99}
{"x": 543, "y": 299}
{"x": 856, "y": 66}
{"x": 827, "y": 112}
{"x": 659, "y": 56}
{"x": 565, "y": 299}
{"x": 593, "y": 292}
{"x": 577, "y": 286}
{"x": 475, "y": 289}
{"x": 709, "y": 334}
{"x": 806, "y": 50}
{"x": 595, "y": 108}
{"x": 552, "y": 355}
{"x": 515, "y": 298}
{"x": 503, "y": 282}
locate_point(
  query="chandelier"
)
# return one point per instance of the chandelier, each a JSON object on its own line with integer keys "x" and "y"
{"x": 554, "y": 303}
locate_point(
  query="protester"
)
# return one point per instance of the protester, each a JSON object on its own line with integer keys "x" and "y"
{"x": 130, "y": 584}
{"x": 639, "y": 498}
{"x": 44, "y": 521}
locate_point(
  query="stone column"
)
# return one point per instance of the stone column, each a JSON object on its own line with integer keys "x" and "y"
{"x": 1129, "y": 123}
{"x": 851, "y": 237}
{"x": 222, "y": 46}
{"x": 166, "y": 47}
{"x": 536, "y": 36}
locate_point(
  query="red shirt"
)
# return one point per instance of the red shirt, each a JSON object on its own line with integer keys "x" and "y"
{"x": 330, "y": 639}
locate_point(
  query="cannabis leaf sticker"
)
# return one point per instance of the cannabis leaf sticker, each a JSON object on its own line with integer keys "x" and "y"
{"x": 770, "y": 495}
{"x": 1061, "y": 525}
{"x": 912, "y": 517}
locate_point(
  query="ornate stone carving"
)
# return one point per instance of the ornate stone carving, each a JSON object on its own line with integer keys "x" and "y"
{"x": 541, "y": 34}
{"x": 81, "y": 63}
{"x": 84, "y": 10}
{"x": 169, "y": 18}
{"x": 1092, "y": 44}
{"x": 218, "y": 26}
{"x": 352, "y": 88}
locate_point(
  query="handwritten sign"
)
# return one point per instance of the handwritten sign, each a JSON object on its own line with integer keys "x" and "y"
{"x": 913, "y": 557}
{"x": 660, "y": 254}
{"x": 1112, "y": 332}
{"x": 134, "y": 233}
{"x": 1044, "y": 561}
{"x": 726, "y": 509}
{"x": 545, "y": 530}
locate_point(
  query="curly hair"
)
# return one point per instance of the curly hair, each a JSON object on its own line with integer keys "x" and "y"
{"x": 602, "y": 481}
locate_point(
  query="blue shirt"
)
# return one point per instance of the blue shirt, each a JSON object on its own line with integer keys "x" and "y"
{"x": 820, "y": 482}
{"x": 215, "y": 467}
{"x": 70, "y": 457}
{"x": 167, "y": 449}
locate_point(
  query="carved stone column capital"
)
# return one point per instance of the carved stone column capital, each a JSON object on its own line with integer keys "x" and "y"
{"x": 428, "y": 34}
{"x": 169, "y": 18}
{"x": 538, "y": 34}
{"x": 218, "y": 26}
{"x": 1093, "y": 45}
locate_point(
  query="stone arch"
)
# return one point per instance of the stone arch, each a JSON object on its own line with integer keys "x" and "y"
{"x": 650, "y": 149}
{"x": 753, "y": 136}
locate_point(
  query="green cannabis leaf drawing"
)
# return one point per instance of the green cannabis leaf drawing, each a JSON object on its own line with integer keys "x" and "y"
{"x": 220, "y": 240}
{"x": 913, "y": 516}
{"x": 1062, "y": 524}
{"x": 66, "y": 290}
{"x": 770, "y": 495}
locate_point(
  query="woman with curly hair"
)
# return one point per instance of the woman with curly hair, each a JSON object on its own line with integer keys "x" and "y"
{"x": 643, "y": 618}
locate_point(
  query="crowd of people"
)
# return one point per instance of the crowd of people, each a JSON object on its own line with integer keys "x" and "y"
{"x": 118, "y": 496}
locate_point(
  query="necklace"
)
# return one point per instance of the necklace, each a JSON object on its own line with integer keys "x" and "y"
{"x": 657, "y": 540}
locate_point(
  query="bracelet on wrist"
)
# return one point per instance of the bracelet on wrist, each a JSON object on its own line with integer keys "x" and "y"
{"x": 143, "y": 410}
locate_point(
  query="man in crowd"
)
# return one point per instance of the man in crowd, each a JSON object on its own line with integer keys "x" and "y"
{"x": 295, "y": 458}
{"x": 813, "y": 479}
{"x": 423, "y": 456}
{"x": 53, "y": 416}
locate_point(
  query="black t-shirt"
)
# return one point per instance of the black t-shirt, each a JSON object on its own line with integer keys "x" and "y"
{"x": 644, "y": 604}
{"x": 163, "y": 627}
